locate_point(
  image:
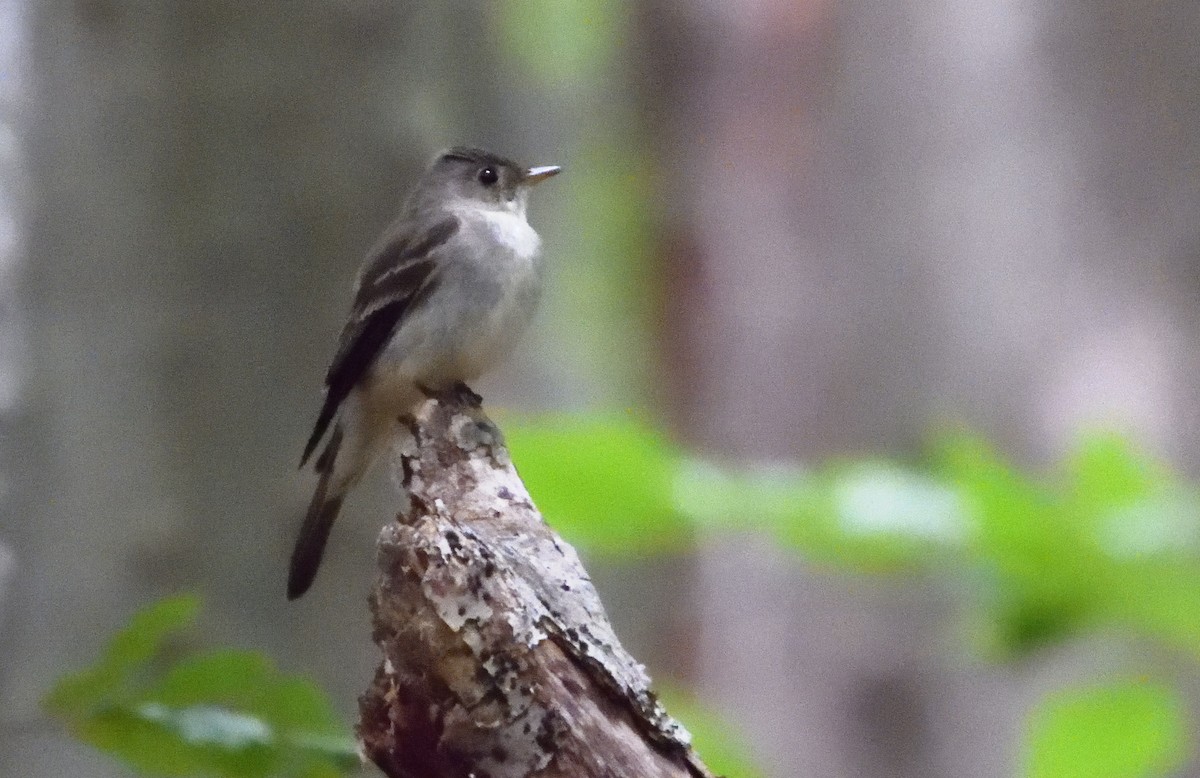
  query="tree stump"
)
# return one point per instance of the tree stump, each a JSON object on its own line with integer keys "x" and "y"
{"x": 498, "y": 658}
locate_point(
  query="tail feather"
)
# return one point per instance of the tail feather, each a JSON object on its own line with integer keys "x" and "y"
{"x": 328, "y": 409}
{"x": 322, "y": 511}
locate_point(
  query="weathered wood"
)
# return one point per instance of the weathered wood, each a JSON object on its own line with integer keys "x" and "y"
{"x": 498, "y": 658}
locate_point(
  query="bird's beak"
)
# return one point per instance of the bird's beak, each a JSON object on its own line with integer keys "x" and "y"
{"x": 536, "y": 175}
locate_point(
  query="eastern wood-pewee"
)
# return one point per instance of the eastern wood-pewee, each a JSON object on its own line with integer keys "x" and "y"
{"x": 441, "y": 298}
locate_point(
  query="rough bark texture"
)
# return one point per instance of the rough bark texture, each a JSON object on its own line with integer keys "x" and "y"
{"x": 499, "y": 660}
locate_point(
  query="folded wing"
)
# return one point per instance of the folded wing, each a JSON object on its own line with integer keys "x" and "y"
{"x": 400, "y": 274}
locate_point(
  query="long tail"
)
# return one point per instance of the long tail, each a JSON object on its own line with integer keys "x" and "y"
{"x": 310, "y": 545}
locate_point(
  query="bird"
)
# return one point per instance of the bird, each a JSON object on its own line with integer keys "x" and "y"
{"x": 440, "y": 299}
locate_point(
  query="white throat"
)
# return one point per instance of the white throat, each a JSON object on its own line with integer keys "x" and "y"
{"x": 509, "y": 227}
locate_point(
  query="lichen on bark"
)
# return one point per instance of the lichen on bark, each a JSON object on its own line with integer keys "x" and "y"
{"x": 498, "y": 658}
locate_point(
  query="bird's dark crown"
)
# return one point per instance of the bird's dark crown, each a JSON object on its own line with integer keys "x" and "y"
{"x": 479, "y": 156}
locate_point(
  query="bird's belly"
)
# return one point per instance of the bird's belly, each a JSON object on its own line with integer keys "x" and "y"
{"x": 464, "y": 329}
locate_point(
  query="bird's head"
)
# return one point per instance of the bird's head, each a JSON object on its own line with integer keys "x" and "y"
{"x": 479, "y": 178}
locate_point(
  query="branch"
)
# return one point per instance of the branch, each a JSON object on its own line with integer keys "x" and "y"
{"x": 498, "y": 658}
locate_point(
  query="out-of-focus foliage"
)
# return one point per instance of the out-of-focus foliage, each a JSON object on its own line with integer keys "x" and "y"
{"x": 712, "y": 736}
{"x": 607, "y": 483}
{"x": 566, "y": 57}
{"x": 229, "y": 713}
{"x": 1107, "y": 542}
{"x": 871, "y": 515}
{"x": 558, "y": 41}
{"x": 219, "y": 713}
{"x": 1123, "y": 730}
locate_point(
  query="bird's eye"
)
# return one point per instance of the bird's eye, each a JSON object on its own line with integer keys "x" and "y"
{"x": 488, "y": 176}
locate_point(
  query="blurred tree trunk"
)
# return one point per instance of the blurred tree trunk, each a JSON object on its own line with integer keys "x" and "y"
{"x": 206, "y": 176}
{"x": 13, "y": 358}
{"x": 881, "y": 214}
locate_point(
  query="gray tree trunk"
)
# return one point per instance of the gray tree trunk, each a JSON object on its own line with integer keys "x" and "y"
{"x": 204, "y": 186}
{"x": 884, "y": 215}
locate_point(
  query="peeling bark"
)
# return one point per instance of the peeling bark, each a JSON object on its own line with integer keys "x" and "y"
{"x": 498, "y": 658}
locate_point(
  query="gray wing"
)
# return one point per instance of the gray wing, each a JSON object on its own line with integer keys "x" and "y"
{"x": 399, "y": 274}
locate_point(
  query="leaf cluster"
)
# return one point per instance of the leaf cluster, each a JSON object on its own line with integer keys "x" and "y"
{"x": 1106, "y": 543}
{"x": 225, "y": 712}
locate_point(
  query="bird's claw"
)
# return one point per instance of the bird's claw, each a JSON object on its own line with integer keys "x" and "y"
{"x": 459, "y": 395}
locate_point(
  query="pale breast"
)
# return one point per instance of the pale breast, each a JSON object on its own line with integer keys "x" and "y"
{"x": 480, "y": 309}
{"x": 517, "y": 266}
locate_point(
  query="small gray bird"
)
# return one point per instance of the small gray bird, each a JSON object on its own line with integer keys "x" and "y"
{"x": 440, "y": 299}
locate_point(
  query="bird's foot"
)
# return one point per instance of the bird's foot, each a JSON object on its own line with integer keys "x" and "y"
{"x": 459, "y": 395}
{"x": 466, "y": 395}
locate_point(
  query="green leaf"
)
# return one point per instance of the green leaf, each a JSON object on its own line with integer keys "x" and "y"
{"x": 1160, "y": 598}
{"x": 1018, "y": 531}
{"x": 222, "y": 713}
{"x": 144, "y": 745}
{"x": 209, "y": 725}
{"x": 1165, "y": 524}
{"x": 149, "y": 629}
{"x": 1037, "y": 569}
{"x": 868, "y": 515}
{"x": 127, "y": 651}
{"x": 75, "y": 694}
{"x": 1122, "y": 730}
{"x": 751, "y": 499}
{"x": 605, "y": 484}
{"x": 297, "y": 707}
{"x": 240, "y": 693}
{"x": 1106, "y": 471}
{"x": 718, "y": 744}
{"x": 227, "y": 676}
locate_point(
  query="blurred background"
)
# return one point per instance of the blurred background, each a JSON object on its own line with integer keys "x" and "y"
{"x": 795, "y": 243}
